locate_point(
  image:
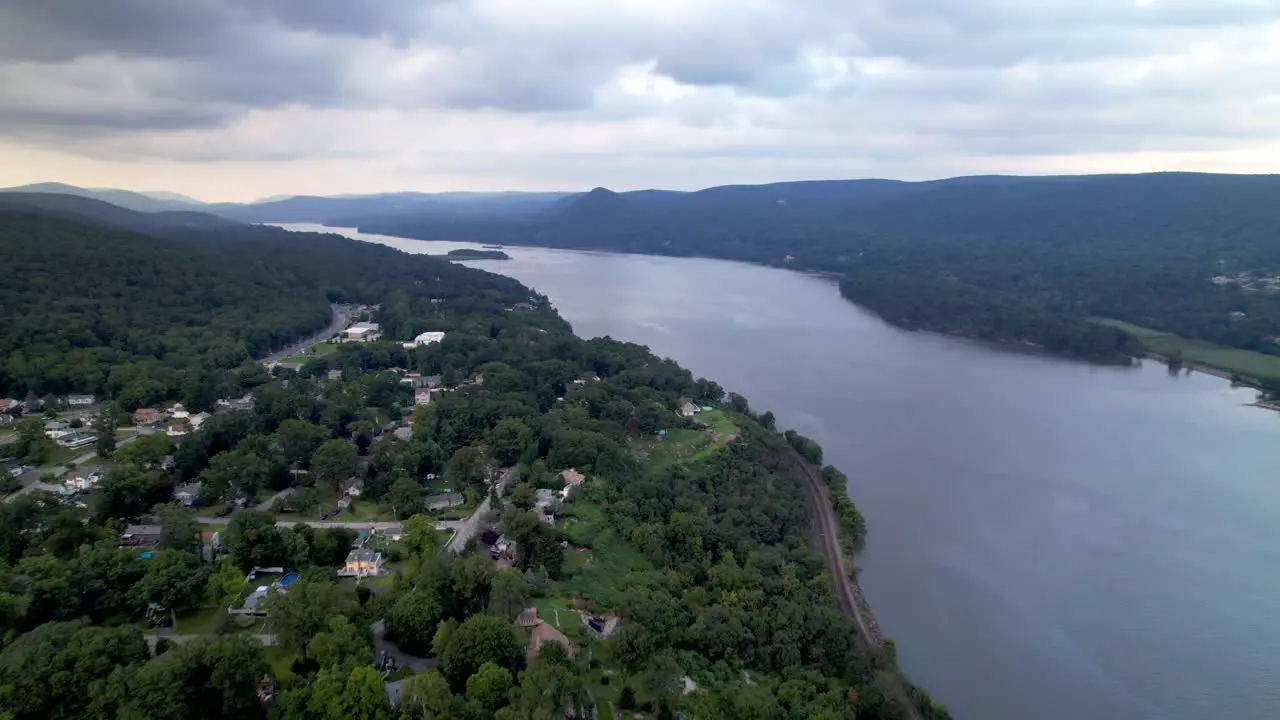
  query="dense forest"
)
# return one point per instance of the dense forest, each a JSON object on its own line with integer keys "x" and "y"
{"x": 1019, "y": 259}
{"x": 136, "y": 310}
{"x": 693, "y": 532}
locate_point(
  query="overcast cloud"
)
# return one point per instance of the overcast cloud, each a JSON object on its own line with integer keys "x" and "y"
{"x": 234, "y": 99}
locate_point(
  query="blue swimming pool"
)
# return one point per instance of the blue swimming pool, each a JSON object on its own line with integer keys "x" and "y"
{"x": 288, "y": 579}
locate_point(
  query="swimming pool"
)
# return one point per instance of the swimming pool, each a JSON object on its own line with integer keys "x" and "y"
{"x": 288, "y": 579}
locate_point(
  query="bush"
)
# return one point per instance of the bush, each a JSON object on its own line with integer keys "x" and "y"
{"x": 627, "y": 698}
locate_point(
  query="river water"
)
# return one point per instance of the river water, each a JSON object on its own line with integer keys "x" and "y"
{"x": 1048, "y": 539}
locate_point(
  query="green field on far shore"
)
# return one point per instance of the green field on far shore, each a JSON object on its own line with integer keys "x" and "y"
{"x": 1246, "y": 363}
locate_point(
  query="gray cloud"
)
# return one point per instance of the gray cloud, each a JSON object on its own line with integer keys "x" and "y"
{"x": 698, "y": 79}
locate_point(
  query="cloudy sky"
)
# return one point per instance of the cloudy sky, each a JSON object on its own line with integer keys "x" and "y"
{"x": 239, "y": 99}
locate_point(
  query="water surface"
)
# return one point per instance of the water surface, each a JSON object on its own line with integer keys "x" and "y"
{"x": 1048, "y": 539}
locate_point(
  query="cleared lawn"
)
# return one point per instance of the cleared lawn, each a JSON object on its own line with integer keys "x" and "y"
{"x": 1247, "y": 363}
{"x": 611, "y": 558}
{"x": 204, "y": 621}
{"x": 687, "y": 445}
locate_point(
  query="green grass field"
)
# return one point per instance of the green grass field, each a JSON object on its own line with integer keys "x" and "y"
{"x": 687, "y": 445}
{"x": 612, "y": 557}
{"x": 1246, "y": 363}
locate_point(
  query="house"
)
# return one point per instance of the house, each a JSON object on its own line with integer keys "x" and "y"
{"x": 362, "y": 563}
{"x": 403, "y": 433}
{"x": 210, "y": 544}
{"x": 80, "y": 400}
{"x": 687, "y": 408}
{"x": 177, "y": 428}
{"x": 334, "y": 374}
{"x": 177, "y": 412}
{"x": 141, "y": 536}
{"x": 421, "y": 396}
{"x": 146, "y": 416}
{"x": 362, "y": 332}
{"x": 444, "y": 501}
{"x": 84, "y": 480}
{"x": 353, "y": 487}
{"x": 602, "y": 626}
{"x": 57, "y": 429}
{"x": 572, "y": 479}
{"x": 188, "y": 494}
{"x": 241, "y": 403}
{"x": 522, "y": 307}
{"x": 424, "y": 339}
{"x": 542, "y": 632}
{"x": 197, "y": 420}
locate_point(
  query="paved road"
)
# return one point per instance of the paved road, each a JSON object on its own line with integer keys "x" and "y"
{"x": 341, "y": 319}
{"x": 266, "y": 504}
{"x": 440, "y": 525}
{"x": 465, "y": 529}
{"x": 35, "y": 479}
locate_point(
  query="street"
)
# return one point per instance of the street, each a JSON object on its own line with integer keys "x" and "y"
{"x": 341, "y": 319}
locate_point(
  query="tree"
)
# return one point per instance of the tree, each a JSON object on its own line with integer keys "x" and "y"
{"x": 406, "y": 497}
{"x": 523, "y": 496}
{"x": 420, "y": 536}
{"x": 508, "y": 595}
{"x": 236, "y": 473}
{"x": 413, "y": 621}
{"x": 303, "y": 612}
{"x": 206, "y": 677}
{"x": 146, "y": 452}
{"x": 52, "y": 671}
{"x": 469, "y": 582}
{"x": 342, "y": 644}
{"x": 180, "y": 530}
{"x": 173, "y": 580}
{"x": 334, "y": 462}
{"x": 254, "y": 541}
{"x": 489, "y": 686}
{"x": 299, "y": 440}
{"x": 225, "y": 583}
{"x": 104, "y": 427}
{"x": 466, "y": 467}
{"x": 508, "y": 439}
{"x": 33, "y": 446}
{"x": 627, "y": 697}
{"x": 478, "y": 640}
{"x": 426, "y": 696}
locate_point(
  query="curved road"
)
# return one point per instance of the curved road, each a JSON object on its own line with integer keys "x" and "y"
{"x": 341, "y": 319}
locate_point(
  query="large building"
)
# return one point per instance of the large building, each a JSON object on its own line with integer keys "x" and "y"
{"x": 424, "y": 339}
{"x": 362, "y": 332}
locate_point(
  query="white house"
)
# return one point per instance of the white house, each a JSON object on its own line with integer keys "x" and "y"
{"x": 85, "y": 480}
{"x": 421, "y": 396}
{"x": 362, "y": 332}
{"x": 187, "y": 494}
{"x": 423, "y": 339}
{"x": 177, "y": 412}
{"x": 197, "y": 420}
{"x": 80, "y": 400}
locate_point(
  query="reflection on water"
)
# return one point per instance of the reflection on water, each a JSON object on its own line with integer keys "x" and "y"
{"x": 1048, "y": 539}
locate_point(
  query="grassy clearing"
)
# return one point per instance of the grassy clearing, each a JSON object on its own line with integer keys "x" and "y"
{"x": 281, "y": 660}
{"x": 204, "y": 621}
{"x": 557, "y": 611}
{"x": 1246, "y": 363}
{"x": 611, "y": 557}
{"x": 685, "y": 444}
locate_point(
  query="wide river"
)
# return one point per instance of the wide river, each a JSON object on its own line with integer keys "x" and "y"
{"x": 1048, "y": 539}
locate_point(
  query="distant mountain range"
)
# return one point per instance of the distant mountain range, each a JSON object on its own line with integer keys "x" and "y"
{"x": 1019, "y": 259}
{"x": 313, "y": 208}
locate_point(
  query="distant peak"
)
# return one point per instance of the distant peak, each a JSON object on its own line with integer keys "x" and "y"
{"x": 602, "y": 192}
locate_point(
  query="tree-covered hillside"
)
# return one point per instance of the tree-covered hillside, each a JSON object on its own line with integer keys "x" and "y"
{"x": 1017, "y": 259}
{"x": 590, "y": 496}
{"x": 96, "y": 309}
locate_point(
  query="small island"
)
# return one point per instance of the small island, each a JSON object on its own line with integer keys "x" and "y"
{"x": 473, "y": 254}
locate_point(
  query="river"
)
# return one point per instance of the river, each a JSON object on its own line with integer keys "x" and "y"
{"x": 1048, "y": 539}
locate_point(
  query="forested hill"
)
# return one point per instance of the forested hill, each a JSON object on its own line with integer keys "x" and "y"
{"x": 1022, "y": 259}
{"x": 91, "y": 308}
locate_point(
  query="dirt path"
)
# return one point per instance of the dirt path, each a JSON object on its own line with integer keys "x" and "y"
{"x": 827, "y": 538}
